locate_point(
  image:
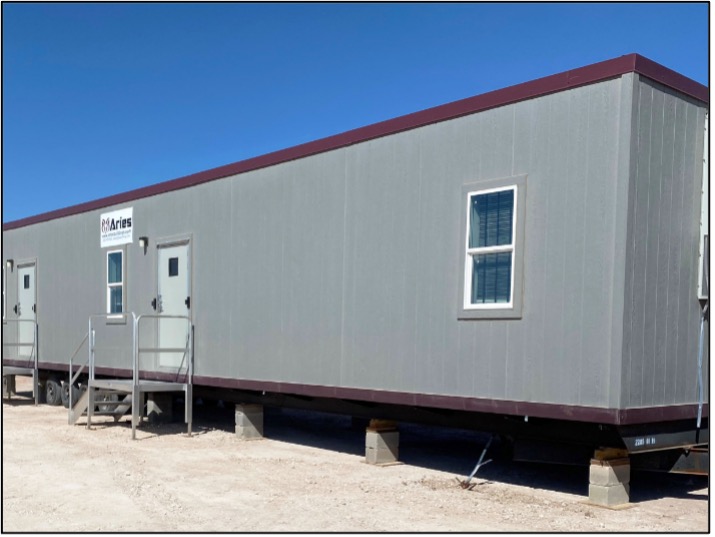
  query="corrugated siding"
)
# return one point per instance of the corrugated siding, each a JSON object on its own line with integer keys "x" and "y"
{"x": 661, "y": 316}
{"x": 343, "y": 268}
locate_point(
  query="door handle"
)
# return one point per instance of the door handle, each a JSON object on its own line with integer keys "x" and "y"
{"x": 34, "y": 309}
{"x": 188, "y": 302}
{"x": 153, "y": 304}
{"x": 15, "y": 309}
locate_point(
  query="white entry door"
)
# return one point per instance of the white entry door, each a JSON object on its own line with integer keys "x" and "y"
{"x": 174, "y": 299}
{"x": 26, "y": 309}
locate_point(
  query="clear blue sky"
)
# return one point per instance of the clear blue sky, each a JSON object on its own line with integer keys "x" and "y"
{"x": 103, "y": 98}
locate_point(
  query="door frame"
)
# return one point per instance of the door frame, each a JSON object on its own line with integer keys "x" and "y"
{"x": 166, "y": 242}
{"x": 176, "y": 240}
{"x": 22, "y": 263}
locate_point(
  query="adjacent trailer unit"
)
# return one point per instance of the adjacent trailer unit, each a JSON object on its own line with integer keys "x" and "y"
{"x": 530, "y": 261}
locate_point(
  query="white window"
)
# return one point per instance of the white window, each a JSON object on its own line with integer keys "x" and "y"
{"x": 115, "y": 281}
{"x": 491, "y": 228}
{"x": 493, "y": 249}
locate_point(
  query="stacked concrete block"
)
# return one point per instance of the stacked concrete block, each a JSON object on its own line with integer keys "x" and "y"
{"x": 249, "y": 422}
{"x": 609, "y": 481}
{"x": 382, "y": 440}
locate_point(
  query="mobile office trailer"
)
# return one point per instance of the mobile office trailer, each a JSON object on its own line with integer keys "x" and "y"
{"x": 528, "y": 260}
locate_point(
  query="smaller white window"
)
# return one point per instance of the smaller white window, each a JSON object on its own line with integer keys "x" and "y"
{"x": 115, "y": 281}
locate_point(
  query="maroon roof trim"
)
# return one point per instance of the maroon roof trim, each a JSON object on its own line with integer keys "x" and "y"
{"x": 611, "y": 416}
{"x": 528, "y": 90}
{"x": 670, "y": 78}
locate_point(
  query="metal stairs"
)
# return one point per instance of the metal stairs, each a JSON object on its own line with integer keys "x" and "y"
{"x": 107, "y": 403}
{"x": 116, "y": 397}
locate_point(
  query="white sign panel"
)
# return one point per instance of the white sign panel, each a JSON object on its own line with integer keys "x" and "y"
{"x": 116, "y": 227}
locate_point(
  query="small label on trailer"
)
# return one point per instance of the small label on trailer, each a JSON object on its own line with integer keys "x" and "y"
{"x": 115, "y": 228}
{"x": 645, "y": 441}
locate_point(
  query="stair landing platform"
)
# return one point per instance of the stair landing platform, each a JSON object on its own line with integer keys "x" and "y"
{"x": 135, "y": 389}
{"x": 127, "y": 385}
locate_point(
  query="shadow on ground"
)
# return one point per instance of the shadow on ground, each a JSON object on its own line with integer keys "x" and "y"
{"x": 454, "y": 451}
{"x": 646, "y": 486}
{"x": 20, "y": 398}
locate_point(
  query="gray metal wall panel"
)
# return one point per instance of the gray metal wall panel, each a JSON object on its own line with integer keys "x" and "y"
{"x": 382, "y": 247}
{"x": 215, "y": 272}
{"x": 343, "y": 268}
{"x": 600, "y": 262}
{"x": 521, "y": 371}
{"x": 257, "y": 294}
{"x": 661, "y": 310}
{"x": 287, "y": 249}
{"x": 625, "y": 201}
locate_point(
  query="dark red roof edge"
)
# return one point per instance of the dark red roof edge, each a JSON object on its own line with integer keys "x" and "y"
{"x": 610, "y": 416}
{"x": 543, "y": 86}
{"x": 670, "y": 78}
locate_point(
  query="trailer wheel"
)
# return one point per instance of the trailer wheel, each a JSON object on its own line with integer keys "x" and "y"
{"x": 41, "y": 390}
{"x": 66, "y": 394}
{"x": 110, "y": 398}
{"x": 53, "y": 392}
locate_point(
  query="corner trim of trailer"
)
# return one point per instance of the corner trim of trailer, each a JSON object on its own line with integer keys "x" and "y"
{"x": 582, "y": 76}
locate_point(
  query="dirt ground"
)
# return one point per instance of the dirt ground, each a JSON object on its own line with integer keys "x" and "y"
{"x": 307, "y": 475}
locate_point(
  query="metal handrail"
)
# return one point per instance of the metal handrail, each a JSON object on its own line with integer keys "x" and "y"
{"x": 188, "y": 350}
{"x": 188, "y": 385}
{"x": 90, "y": 348}
{"x": 73, "y": 378}
{"x": 91, "y": 335}
{"x": 136, "y": 392}
{"x": 33, "y": 353}
{"x": 135, "y": 342}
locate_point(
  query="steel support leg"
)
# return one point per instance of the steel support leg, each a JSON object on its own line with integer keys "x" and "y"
{"x": 90, "y": 404}
{"x": 36, "y": 387}
{"x": 136, "y": 410}
{"x": 189, "y": 406}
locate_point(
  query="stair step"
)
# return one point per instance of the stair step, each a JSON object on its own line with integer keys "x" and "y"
{"x": 80, "y": 408}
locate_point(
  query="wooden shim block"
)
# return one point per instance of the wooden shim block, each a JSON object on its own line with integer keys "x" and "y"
{"x": 382, "y": 425}
{"x": 604, "y": 454}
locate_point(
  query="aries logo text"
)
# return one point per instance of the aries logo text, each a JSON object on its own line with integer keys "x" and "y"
{"x": 109, "y": 224}
{"x": 116, "y": 227}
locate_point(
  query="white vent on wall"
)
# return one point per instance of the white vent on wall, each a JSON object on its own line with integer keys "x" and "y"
{"x": 704, "y": 250}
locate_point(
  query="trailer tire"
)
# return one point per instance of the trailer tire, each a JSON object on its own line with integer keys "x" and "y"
{"x": 66, "y": 394}
{"x": 53, "y": 392}
{"x": 109, "y": 398}
{"x": 41, "y": 390}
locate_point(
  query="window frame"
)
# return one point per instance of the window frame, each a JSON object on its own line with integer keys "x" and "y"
{"x": 497, "y": 310}
{"x": 109, "y": 286}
